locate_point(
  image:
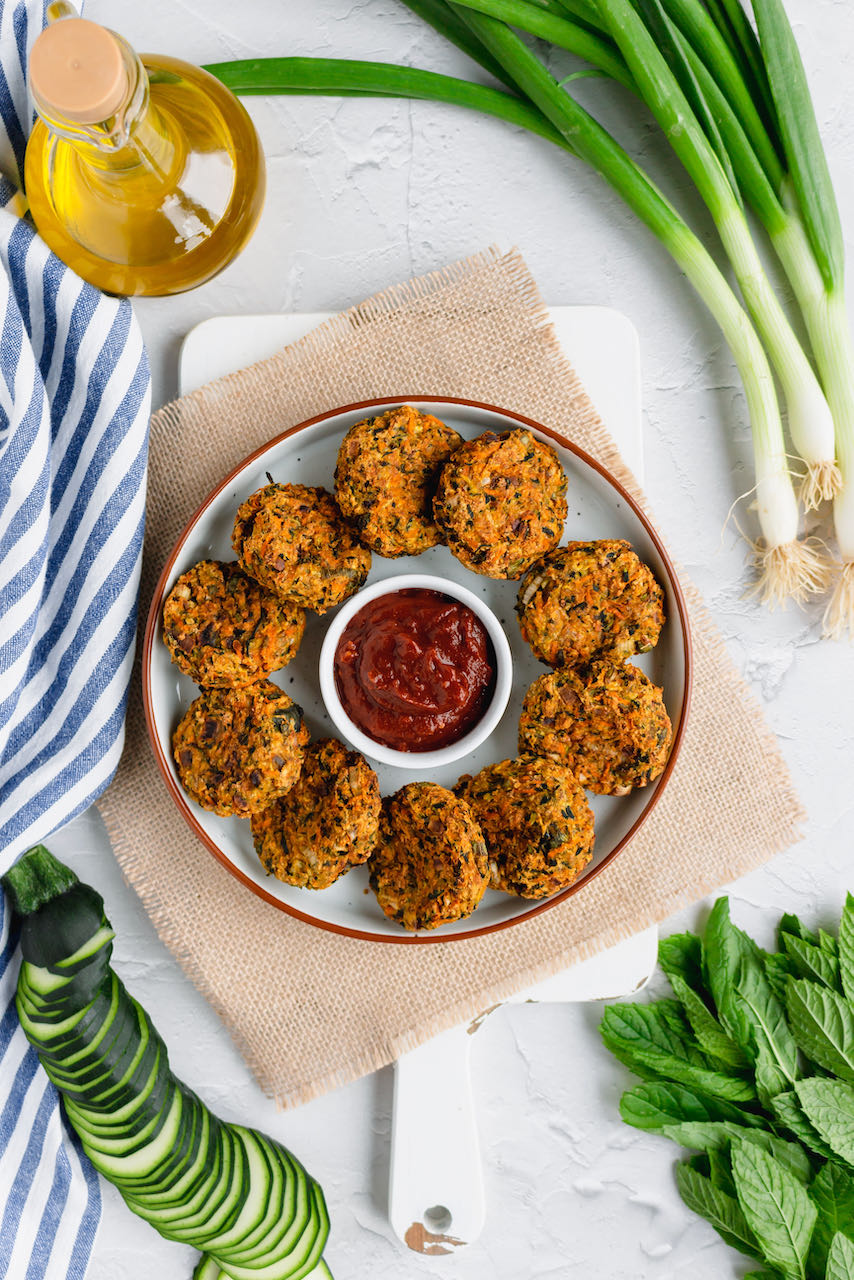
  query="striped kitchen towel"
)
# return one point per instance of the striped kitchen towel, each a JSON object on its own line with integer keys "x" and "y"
{"x": 74, "y": 408}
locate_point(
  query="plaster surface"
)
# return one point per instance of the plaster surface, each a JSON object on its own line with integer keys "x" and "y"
{"x": 361, "y": 195}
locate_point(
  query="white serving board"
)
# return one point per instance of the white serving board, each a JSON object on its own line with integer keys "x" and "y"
{"x": 436, "y": 1202}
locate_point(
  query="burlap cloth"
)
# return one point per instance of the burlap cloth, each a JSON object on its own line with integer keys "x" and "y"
{"x": 308, "y": 1009}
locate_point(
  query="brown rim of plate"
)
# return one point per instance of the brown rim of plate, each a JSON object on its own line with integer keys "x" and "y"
{"x": 152, "y": 629}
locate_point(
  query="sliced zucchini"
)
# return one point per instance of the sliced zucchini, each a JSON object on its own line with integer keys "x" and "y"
{"x": 290, "y": 1262}
{"x": 143, "y": 1163}
{"x": 231, "y": 1206}
{"x": 126, "y": 1138}
{"x": 206, "y": 1269}
{"x": 85, "y": 954}
{"x": 246, "y": 1203}
{"x": 79, "y": 1029}
{"x": 293, "y": 1216}
{"x": 200, "y": 1198}
{"x": 168, "y": 1191}
{"x": 270, "y": 1221}
{"x": 259, "y": 1179}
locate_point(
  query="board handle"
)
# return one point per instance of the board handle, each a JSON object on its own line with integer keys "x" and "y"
{"x": 436, "y": 1200}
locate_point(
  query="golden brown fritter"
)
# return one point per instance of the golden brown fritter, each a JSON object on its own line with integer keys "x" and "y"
{"x": 588, "y": 600}
{"x": 293, "y": 540}
{"x": 501, "y": 502}
{"x": 536, "y": 822}
{"x": 386, "y": 475}
{"x": 606, "y": 722}
{"x": 429, "y": 865}
{"x": 221, "y": 628}
{"x": 327, "y": 822}
{"x": 238, "y": 750}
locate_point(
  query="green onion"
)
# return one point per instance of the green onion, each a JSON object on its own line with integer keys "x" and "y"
{"x": 810, "y": 419}
{"x": 559, "y": 31}
{"x": 340, "y": 77}
{"x": 788, "y": 567}
{"x": 817, "y": 277}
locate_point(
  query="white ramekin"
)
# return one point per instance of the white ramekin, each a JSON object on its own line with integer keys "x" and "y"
{"x": 415, "y": 760}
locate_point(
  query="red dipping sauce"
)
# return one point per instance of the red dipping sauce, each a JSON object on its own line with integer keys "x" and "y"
{"x": 415, "y": 669}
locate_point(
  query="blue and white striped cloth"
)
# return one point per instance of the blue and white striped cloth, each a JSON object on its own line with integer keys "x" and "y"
{"x": 74, "y": 408}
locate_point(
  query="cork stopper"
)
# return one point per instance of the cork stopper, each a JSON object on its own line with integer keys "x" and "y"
{"x": 77, "y": 71}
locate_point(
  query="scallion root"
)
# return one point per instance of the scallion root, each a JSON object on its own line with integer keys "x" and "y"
{"x": 838, "y": 619}
{"x": 821, "y": 483}
{"x": 792, "y": 571}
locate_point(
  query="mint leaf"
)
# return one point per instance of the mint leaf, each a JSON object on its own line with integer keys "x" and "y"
{"x": 829, "y": 1107}
{"x": 791, "y": 925}
{"x": 832, "y": 1193}
{"x": 776, "y": 1207}
{"x": 840, "y": 1259}
{"x": 724, "y": 949}
{"x": 722, "y": 1211}
{"x": 710, "y": 1034}
{"x": 682, "y": 953}
{"x": 720, "y": 1172}
{"x": 812, "y": 962}
{"x": 828, "y": 944}
{"x": 777, "y": 968}
{"x": 762, "y": 1275}
{"x": 746, "y": 1004}
{"x": 788, "y": 1109}
{"x": 823, "y": 1026}
{"x": 656, "y": 1104}
{"x": 769, "y": 1031}
{"x": 711, "y": 1136}
{"x": 846, "y": 947}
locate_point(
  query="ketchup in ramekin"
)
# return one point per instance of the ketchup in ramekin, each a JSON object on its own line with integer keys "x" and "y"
{"x": 415, "y": 669}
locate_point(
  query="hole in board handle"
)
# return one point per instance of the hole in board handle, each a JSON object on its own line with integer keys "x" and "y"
{"x": 438, "y": 1219}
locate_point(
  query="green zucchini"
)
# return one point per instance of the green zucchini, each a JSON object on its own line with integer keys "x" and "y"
{"x": 234, "y": 1193}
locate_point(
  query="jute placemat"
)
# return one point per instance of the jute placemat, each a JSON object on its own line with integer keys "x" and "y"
{"x": 308, "y": 1009}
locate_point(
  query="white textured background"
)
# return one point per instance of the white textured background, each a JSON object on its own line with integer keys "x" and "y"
{"x": 361, "y": 195}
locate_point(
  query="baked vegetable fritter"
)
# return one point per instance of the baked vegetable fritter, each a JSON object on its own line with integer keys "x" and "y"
{"x": 238, "y": 750}
{"x": 588, "y": 600}
{"x": 222, "y": 628}
{"x": 386, "y": 475}
{"x": 536, "y": 822}
{"x": 501, "y": 502}
{"x": 294, "y": 541}
{"x": 606, "y": 722}
{"x": 429, "y": 865}
{"x": 327, "y": 822}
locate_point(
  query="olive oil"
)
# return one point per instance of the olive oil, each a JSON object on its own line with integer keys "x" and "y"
{"x": 145, "y": 175}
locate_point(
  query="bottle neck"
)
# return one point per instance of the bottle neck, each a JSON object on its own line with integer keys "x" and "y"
{"x": 135, "y": 136}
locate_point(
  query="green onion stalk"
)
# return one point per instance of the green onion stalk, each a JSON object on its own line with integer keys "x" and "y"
{"x": 715, "y": 128}
{"x": 809, "y": 416}
{"x": 817, "y": 272}
{"x": 788, "y": 567}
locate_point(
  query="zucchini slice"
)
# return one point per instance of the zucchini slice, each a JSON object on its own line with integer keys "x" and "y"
{"x": 238, "y": 1196}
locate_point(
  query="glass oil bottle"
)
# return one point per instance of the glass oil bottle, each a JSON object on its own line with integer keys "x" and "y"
{"x": 145, "y": 175}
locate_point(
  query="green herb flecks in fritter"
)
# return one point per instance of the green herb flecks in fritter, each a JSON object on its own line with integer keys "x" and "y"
{"x": 606, "y": 722}
{"x": 293, "y": 540}
{"x": 326, "y": 824}
{"x": 501, "y": 503}
{"x": 587, "y": 600}
{"x": 237, "y": 750}
{"x": 536, "y": 822}
{"x": 386, "y": 475}
{"x": 429, "y": 866}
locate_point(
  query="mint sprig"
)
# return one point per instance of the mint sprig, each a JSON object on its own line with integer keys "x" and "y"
{"x": 752, "y": 1067}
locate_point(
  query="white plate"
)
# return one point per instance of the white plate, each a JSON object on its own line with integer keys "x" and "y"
{"x": 598, "y": 508}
